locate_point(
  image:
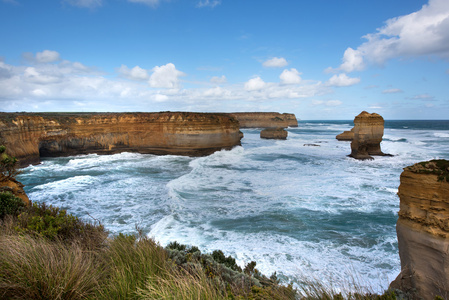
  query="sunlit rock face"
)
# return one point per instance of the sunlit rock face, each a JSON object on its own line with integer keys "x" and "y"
{"x": 265, "y": 119}
{"x": 368, "y": 132}
{"x": 423, "y": 230}
{"x": 274, "y": 133}
{"x": 30, "y": 136}
{"x": 14, "y": 187}
{"x": 346, "y": 135}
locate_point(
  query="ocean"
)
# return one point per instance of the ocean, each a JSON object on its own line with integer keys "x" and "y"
{"x": 298, "y": 207}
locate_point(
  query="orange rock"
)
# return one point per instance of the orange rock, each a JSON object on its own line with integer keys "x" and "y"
{"x": 368, "y": 132}
{"x": 274, "y": 133}
{"x": 29, "y": 136}
{"x": 423, "y": 230}
{"x": 265, "y": 119}
{"x": 346, "y": 135}
{"x": 16, "y": 188}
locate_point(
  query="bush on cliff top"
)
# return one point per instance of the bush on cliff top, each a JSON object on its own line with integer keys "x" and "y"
{"x": 439, "y": 167}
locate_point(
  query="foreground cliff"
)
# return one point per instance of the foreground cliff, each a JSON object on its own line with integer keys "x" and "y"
{"x": 29, "y": 136}
{"x": 367, "y": 135}
{"x": 423, "y": 230}
{"x": 265, "y": 119}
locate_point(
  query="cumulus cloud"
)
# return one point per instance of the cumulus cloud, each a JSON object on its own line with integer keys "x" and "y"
{"x": 421, "y": 33}
{"x": 255, "y": 84}
{"x": 392, "y": 91}
{"x": 47, "y": 56}
{"x": 152, "y": 3}
{"x": 342, "y": 80}
{"x": 166, "y": 76}
{"x": 136, "y": 73}
{"x": 218, "y": 80}
{"x": 290, "y": 76}
{"x": 275, "y": 62}
{"x": 85, "y": 3}
{"x": 327, "y": 103}
{"x": 217, "y": 92}
{"x": 208, "y": 3}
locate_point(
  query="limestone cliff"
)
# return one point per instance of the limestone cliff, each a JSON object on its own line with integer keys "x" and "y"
{"x": 368, "y": 132}
{"x": 423, "y": 230}
{"x": 265, "y": 119}
{"x": 32, "y": 135}
{"x": 16, "y": 188}
{"x": 346, "y": 135}
{"x": 274, "y": 133}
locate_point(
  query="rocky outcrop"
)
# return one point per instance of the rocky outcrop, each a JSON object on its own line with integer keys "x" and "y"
{"x": 274, "y": 133}
{"x": 16, "y": 188}
{"x": 423, "y": 230}
{"x": 368, "y": 132}
{"x": 265, "y": 119}
{"x": 346, "y": 135}
{"x": 32, "y": 135}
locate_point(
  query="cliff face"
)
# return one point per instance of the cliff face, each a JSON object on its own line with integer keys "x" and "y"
{"x": 16, "y": 188}
{"x": 368, "y": 132}
{"x": 265, "y": 119}
{"x": 423, "y": 230}
{"x": 29, "y": 136}
{"x": 274, "y": 133}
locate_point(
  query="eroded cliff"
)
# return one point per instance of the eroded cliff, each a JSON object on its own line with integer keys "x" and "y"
{"x": 265, "y": 119}
{"x": 423, "y": 230}
{"x": 368, "y": 132}
{"x": 32, "y": 135}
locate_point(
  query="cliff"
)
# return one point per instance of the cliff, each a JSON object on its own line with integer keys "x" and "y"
{"x": 265, "y": 119}
{"x": 274, "y": 133}
{"x": 423, "y": 230}
{"x": 368, "y": 132}
{"x": 29, "y": 136}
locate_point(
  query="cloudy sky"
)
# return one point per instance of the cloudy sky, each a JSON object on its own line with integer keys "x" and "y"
{"x": 319, "y": 59}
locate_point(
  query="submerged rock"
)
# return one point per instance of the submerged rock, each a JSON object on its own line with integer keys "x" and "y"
{"x": 423, "y": 230}
{"x": 274, "y": 133}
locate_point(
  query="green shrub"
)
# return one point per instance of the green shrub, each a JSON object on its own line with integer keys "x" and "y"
{"x": 10, "y": 204}
{"x": 8, "y": 169}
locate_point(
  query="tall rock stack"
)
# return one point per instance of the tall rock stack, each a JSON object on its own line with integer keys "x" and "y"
{"x": 368, "y": 132}
{"x": 423, "y": 230}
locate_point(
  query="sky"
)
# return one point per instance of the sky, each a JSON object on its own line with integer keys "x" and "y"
{"x": 318, "y": 59}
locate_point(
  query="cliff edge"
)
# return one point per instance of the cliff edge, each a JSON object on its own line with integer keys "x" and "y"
{"x": 423, "y": 230}
{"x": 29, "y": 136}
{"x": 265, "y": 119}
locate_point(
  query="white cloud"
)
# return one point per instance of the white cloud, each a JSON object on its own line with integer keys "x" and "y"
{"x": 136, "y": 73}
{"x": 208, "y": 3}
{"x": 422, "y": 33}
{"x": 342, "y": 80}
{"x": 255, "y": 84}
{"x": 152, "y": 3}
{"x": 47, "y": 56}
{"x": 85, "y": 3}
{"x": 275, "y": 62}
{"x": 424, "y": 97}
{"x": 290, "y": 76}
{"x": 218, "y": 80}
{"x": 392, "y": 91}
{"x": 217, "y": 92}
{"x": 32, "y": 75}
{"x": 327, "y": 103}
{"x": 166, "y": 76}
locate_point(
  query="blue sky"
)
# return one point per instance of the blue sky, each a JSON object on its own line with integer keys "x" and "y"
{"x": 320, "y": 59}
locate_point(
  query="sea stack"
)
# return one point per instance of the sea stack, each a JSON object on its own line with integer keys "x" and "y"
{"x": 423, "y": 230}
{"x": 368, "y": 132}
{"x": 278, "y": 133}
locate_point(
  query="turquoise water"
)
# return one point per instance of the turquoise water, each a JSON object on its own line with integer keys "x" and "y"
{"x": 303, "y": 211}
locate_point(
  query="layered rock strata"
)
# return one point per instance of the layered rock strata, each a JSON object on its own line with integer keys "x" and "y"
{"x": 423, "y": 230}
{"x": 274, "y": 133}
{"x": 30, "y": 136}
{"x": 368, "y": 132}
{"x": 346, "y": 135}
{"x": 265, "y": 119}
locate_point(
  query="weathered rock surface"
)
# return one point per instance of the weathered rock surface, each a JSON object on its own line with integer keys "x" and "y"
{"x": 274, "y": 133}
{"x": 265, "y": 119}
{"x": 16, "y": 188}
{"x": 423, "y": 230}
{"x": 368, "y": 132}
{"x": 346, "y": 135}
{"x": 32, "y": 135}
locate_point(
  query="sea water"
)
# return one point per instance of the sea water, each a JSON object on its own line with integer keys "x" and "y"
{"x": 298, "y": 207}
